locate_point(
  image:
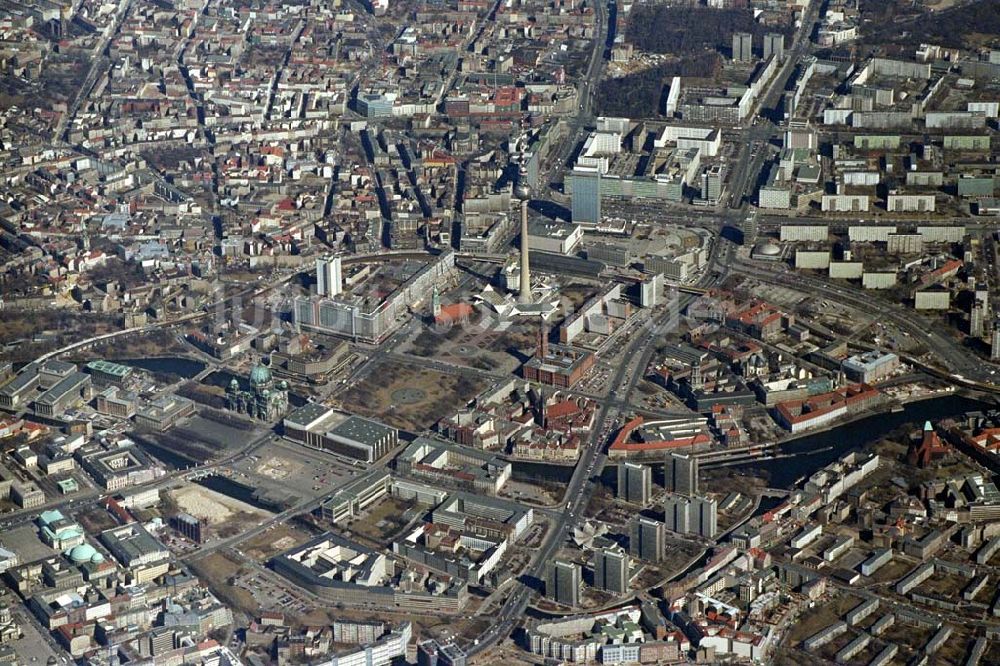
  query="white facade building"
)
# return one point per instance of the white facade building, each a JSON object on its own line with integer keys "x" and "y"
{"x": 329, "y": 276}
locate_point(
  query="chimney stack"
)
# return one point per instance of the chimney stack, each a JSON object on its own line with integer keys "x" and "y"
{"x": 543, "y": 338}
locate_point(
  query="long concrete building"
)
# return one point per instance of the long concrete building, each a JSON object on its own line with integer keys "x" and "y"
{"x": 355, "y": 437}
{"x": 366, "y": 320}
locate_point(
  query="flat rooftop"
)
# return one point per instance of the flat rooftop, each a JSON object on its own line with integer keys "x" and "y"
{"x": 308, "y": 415}
{"x": 107, "y": 367}
{"x": 64, "y": 387}
{"x": 362, "y": 430}
{"x": 555, "y": 230}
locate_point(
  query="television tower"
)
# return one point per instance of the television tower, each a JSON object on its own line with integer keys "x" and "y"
{"x": 523, "y": 192}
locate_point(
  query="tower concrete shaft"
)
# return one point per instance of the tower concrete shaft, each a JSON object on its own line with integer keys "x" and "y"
{"x": 524, "y": 293}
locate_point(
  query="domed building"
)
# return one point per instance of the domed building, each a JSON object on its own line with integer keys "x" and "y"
{"x": 59, "y": 532}
{"x": 767, "y": 250}
{"x": 85, "y": 553}
{"x": 267, "y": 400}
{"x": 260, "y": 375}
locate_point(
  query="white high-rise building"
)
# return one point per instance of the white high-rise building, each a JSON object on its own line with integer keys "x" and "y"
{"x": 704, "y": 517}
{"x": 562, "y": 582}
{"x": 677, "y": 513}
{"x": 611, "y": 570}
{"x": 681, "y": 473}
{"x": 742, "y": 47}
{"x": 329, "y": 278}
{"x": 691, "y": 515}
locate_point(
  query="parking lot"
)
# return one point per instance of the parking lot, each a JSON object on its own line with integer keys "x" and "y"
{"x": 284, "y": 466}
{"x": 270, "y": 594}
{"x": 34, "y": 647}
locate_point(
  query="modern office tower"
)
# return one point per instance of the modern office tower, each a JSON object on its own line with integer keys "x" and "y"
{"x": 995, "y": 349}
{"x": 750, "y": 230}
{"x": 611, "y": 570}
{"x": 742, "y": 47}
{"x": 586, "y": 197}
{"x": 635, "y": 483}
{"x": 187, "y": 525}
{"x": 711, "y": 183}
{"x": 677, "y": 514}
{"x": 432, "y": 653}
{"x": 977, "y": 318}
{"x": 774, "y": 45}
{"x": 329, "y": 278}
{"x": 681, "y": 473}
{"x": 647, "y": 539}
{"x": 651, "y": 291}
{"x": 704, "y": 516}
{"x": 562, "y": 582}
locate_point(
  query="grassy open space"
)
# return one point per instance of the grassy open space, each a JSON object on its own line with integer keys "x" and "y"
{"x": 820, "y": 617}
{"x": 218, "y": 571}
{"x": 280, "y": 538}
{"x": 442, "y": 395}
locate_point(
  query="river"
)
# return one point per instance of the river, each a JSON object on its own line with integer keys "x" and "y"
{"x": 820, "y": 449}
{"x": 187, "y": 368}
{"x": 811, "y": 452}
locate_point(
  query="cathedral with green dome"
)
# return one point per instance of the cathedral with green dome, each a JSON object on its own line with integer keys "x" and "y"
{"x": 267, "y": 400}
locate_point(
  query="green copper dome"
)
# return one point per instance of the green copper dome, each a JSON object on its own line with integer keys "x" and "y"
{"x": 82, "y": 553}
{"x": 260, "y": 374}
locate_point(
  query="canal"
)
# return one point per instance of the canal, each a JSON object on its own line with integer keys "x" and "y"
{"x": 180, "y": 367}
{"x": 169, "y": 457}
{"x": 234, "y": 489}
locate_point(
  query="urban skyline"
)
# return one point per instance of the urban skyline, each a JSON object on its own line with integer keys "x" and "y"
{"x": 460, "y": 333}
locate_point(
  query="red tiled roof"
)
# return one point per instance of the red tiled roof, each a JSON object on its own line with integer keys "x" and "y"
{"x": 694, "y": 440}
{"x": 818, "y": 405}
{"x": 948, "y": 267}
{"x": 622, "y": 438}
{"x": 454, "y": 312}
{"x": 562, "y": 409}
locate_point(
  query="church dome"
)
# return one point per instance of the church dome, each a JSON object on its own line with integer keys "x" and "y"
{"x": 260, "y": 374}
{"x": 82, "y": 553}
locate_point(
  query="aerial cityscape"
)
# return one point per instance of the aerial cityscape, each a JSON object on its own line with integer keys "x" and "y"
{"x": 499, "y": 332}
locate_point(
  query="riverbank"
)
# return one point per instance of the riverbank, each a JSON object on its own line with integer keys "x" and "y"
{"x": 179, "y": 366}
{"x": 801, "y": 454}
{"x": 890, "y": 408}
{"x": 806, "y": 453}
